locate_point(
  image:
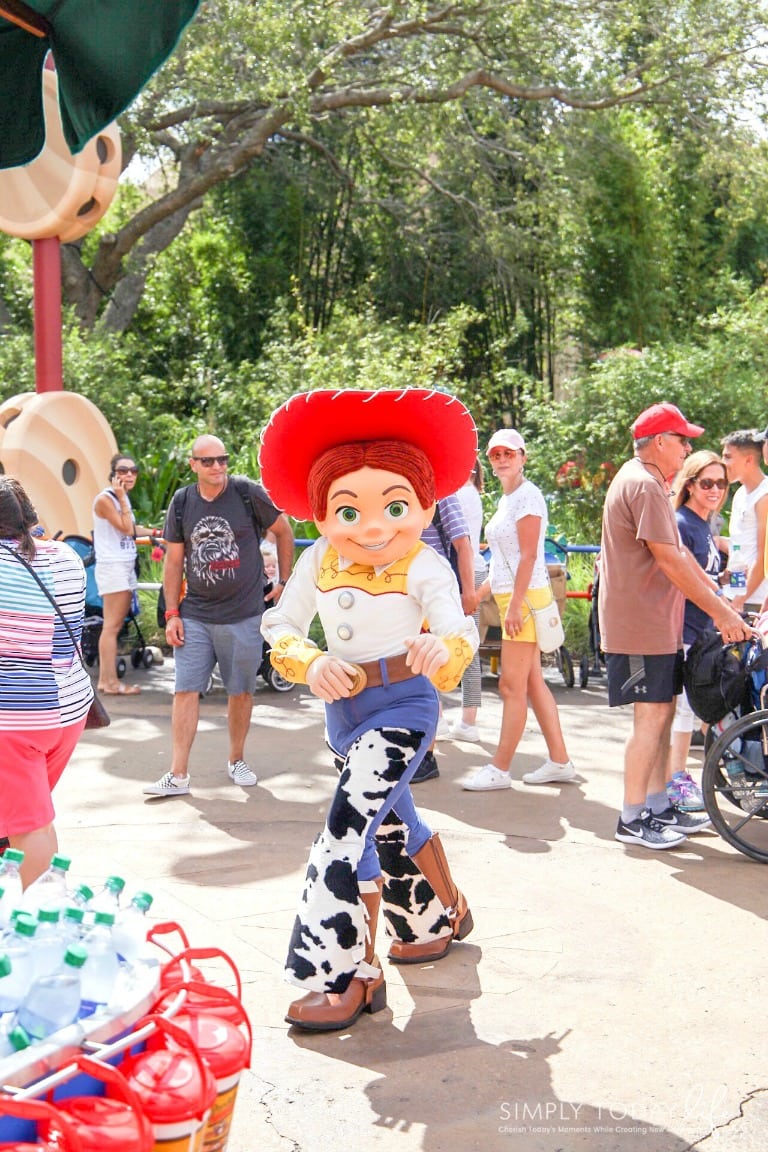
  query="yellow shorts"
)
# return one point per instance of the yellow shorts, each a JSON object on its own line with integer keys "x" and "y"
{"x": 538, "y": 597}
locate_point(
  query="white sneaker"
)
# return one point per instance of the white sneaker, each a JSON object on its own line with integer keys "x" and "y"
{"x": 462, "y": 731}
{"x": 240, "y": 773}
{"x": 168, "y": 785}
{"x": 488, "y": 778}
{"x": 550, "y": 773}
{"x": 443, "y": 730}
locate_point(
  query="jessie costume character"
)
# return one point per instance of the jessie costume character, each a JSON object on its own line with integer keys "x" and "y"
{"x": 367, "y": 467}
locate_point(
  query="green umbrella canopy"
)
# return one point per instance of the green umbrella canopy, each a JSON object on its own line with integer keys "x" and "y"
{"x": 104, "y": 50}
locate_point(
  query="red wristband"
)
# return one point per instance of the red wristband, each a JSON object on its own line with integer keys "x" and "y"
{"x": 171, "y": 613}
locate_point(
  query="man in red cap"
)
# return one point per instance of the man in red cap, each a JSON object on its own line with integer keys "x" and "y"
{"x": 646, "y": 575}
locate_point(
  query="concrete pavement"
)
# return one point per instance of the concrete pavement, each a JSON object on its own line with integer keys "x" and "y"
{"x": 609, "y": 997}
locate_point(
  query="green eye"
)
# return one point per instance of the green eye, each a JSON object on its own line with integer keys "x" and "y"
{"x": 347, "y": 515}
{"x": 396, "y": 510}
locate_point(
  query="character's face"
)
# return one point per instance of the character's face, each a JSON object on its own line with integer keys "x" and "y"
{"x": 373, "y": 516}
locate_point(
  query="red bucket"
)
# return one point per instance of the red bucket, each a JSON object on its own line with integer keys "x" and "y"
{"x": 103, "y": 1123}
{"x": 176, "y": 1089}
{"x": 223, "y": 1045}
{"x": 181, "y": 970}
{"x": 62, "y": 1134}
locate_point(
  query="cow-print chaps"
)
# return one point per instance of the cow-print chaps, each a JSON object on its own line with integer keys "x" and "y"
{"x": 327, "y": 945}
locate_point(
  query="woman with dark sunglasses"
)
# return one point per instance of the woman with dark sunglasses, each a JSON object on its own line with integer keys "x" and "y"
{"x": 114, "y": 543}
{"x": 700, "y": 489}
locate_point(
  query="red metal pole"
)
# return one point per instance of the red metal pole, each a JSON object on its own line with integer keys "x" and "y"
{"x": 49, "y": 375}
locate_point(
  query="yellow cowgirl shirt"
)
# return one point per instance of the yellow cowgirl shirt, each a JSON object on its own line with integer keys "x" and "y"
{"x": 367, "y": 612}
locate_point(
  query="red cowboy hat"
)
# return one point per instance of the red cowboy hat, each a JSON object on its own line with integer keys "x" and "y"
{"x": 311, "y": 422}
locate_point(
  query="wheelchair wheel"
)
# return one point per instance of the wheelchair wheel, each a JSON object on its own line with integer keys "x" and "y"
{"x": 565, "y": 665}
{"x": 121, "y": 667}
{"x": 735, "y": 785}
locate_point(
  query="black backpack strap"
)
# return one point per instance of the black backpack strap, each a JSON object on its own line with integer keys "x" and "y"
{"x": 438, "y": 524}
{"x": 244, "y": 490}
{"x": 179, "y": 504}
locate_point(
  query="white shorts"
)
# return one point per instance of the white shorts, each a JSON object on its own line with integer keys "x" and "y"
{"x": 115, "y": 576}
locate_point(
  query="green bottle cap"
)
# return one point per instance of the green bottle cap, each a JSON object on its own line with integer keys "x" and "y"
{"x": 48, "y": 915}
{"x": 15, "y": 855}
{"x": 62, "y": 862}
{"x": 5, "y": 964}
{"x": 75, "y": 914}
{"x": 19, "y": 1038}
{"x": 115, "y": 883}
{"x": 104, "y": 918}
{"x": 75, "y": 956}
{"x": 84, "y": 892}
{"x": 24, "y": 926}
{"x": 143, "y": 900}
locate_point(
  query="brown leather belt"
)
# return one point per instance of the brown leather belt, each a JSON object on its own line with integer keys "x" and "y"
{"x": 369, "y": 675}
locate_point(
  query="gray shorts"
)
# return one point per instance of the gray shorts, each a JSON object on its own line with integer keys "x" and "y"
{"x": 236, "y": 647}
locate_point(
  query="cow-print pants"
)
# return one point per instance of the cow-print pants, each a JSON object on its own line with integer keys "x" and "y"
{"x": 381, "y": 746}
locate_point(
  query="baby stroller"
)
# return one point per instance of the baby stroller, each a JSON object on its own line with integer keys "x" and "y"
{"x": 735, "y": 776}
{"x": 269, "y": 674}
{"x": 130, "y": 636}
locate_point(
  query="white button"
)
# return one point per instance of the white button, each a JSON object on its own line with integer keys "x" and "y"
{"x": 344, "y": 632}
{"x": 346, "y": 599}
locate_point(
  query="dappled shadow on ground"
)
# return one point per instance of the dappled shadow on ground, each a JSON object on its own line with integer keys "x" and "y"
{"x": 433, "y": 1070}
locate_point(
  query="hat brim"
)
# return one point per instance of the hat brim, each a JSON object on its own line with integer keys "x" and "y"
{"x": 310, "y": 423}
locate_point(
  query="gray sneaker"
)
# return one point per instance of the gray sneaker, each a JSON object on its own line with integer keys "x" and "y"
{"x": 168, "y": 785}
{"x": 685, "y": 822}
{"x": 648, "y": 832}
{"x": 240, "y": 773}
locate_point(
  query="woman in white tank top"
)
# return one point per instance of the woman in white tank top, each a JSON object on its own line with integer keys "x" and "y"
{"x": 114, "y": 542}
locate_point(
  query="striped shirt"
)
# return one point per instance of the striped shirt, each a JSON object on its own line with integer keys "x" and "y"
{"x": 43, "y": 683}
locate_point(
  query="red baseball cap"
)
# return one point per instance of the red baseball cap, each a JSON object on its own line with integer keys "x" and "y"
{"x": 663, "y": 418}
{"x": 311, "y": 422}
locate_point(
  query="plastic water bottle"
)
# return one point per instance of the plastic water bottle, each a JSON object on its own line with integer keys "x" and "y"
{"x": 14, "y": 986}
{"x": 738, "y": 569}
{"x": 47, "y": 945}
{"x": 102, "y": 967}
{"x": 130, "y": 932}
{"x": 72, "y": 926}
{"x": 10, "y": 880}
{"x": 108, "y": 898}
{"x": 50, "y": 889}
{"x": 53, "y": 1001}
{"x": 81, "y": 896}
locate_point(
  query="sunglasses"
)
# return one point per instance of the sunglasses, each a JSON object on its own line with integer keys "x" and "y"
{"x": 706, "y": 483}
{"x": 125, "y": 471}
{"x": 209, "y": 461}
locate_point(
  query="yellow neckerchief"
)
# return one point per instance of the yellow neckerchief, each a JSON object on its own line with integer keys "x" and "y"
{"x": 337, "y": 573}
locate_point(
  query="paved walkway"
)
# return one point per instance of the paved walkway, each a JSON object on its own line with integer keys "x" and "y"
{"x": 608, "y": 998}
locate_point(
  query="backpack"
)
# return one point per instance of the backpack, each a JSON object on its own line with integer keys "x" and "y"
{"x": 240, "y": 484}
{"x": 451, "y": 554}
{"x": 718, "y": 677}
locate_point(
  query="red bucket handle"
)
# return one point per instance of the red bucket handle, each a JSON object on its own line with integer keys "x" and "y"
{"x": 202, "y": 954}
{"x": 165, "y": 929}
{"x": 113, "y": 1077}
{"x": 163, "y": 1024}
{"x": 218, "y": 996}
{"x": 42, "y": 1111}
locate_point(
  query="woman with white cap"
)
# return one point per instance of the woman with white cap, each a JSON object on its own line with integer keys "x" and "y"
{"x": 519, "y": 581}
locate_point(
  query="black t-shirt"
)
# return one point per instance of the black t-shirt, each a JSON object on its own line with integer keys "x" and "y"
{"x": 223, "y": 561}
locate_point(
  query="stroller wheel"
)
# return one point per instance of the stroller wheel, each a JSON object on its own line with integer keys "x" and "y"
{"x": 147, "y": 657}
{"x": 136, "y": 658}
{"x": 121, "y": 667}
{"x": 584, "y": 672}
{"x": 277, "y": 682}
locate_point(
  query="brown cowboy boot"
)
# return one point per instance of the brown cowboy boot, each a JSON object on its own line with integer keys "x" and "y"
{"x": 433, "y": 866}
{"x": 330, "y": 1011}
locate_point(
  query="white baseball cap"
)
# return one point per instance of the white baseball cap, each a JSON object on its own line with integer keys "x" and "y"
{"x": 506, "y": 438}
